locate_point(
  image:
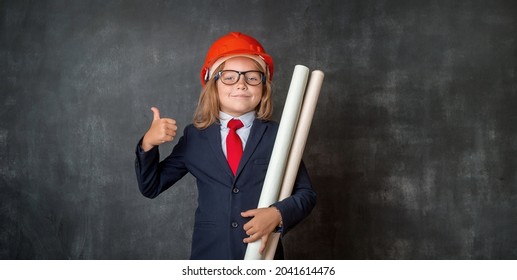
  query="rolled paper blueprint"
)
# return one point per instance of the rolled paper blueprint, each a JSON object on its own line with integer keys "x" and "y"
{"x": 283, "y": 140}
{"x": 295, "y": 155}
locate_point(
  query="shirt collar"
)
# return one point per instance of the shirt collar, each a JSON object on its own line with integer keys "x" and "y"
{"x": 246, "y": 119}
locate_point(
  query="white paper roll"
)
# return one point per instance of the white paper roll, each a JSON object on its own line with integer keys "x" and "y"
{"x": 295, "y": 155}
{"x": 281, "y": 148}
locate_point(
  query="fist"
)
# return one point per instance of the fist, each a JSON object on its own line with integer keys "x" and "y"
{"x": 162, "y": 130}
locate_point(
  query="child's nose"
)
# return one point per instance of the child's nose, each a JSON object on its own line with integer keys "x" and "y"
{"x": 241, "y": 83}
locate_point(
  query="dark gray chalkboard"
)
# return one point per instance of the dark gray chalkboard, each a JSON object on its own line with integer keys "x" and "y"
{"x": 413, "y": 148}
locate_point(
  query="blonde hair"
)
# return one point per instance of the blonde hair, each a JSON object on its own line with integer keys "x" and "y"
{"x": 208, "y": 107}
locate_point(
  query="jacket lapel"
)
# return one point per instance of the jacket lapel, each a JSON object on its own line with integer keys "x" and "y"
{"x": 257, "y": 132}
{"x": 214, "y": 139}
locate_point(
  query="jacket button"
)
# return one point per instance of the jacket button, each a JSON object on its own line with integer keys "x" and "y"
{"x": 235, "y": 190}
{"x": 235, "y": 224}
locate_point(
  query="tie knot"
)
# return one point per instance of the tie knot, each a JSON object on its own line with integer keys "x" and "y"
{"x": 235, "y": 124}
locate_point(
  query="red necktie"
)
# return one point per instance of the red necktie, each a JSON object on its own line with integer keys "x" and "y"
{"x": 234, "y": 145}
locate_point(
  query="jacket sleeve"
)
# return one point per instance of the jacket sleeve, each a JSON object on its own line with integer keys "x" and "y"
{"x": 301, "y": 202}
{"x": 153, "y": 176}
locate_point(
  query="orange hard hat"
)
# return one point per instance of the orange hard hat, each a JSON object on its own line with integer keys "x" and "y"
{"x": 231, "y": 45}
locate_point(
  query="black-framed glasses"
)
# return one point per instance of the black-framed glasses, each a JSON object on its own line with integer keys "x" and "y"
{"x": 231, "y": 77}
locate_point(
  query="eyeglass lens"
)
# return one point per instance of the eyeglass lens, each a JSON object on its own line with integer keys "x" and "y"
{"x": 230, "y": 77}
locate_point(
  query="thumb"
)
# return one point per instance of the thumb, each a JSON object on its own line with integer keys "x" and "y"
{"x": 263, "y": 244}
{"x": 156, "y": 113}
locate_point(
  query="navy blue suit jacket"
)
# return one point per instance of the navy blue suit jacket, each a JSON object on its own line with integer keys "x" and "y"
{"x": 218, "y": 228}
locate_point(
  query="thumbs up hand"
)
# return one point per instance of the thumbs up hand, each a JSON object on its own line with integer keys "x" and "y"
{"x": 162, "y": 130}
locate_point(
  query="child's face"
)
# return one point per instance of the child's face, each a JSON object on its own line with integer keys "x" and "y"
{"x": 239, "y": 98}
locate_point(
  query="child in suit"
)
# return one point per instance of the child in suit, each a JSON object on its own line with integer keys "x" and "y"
{"x": 236, "y": 79}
